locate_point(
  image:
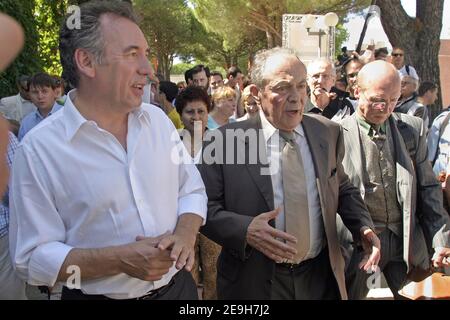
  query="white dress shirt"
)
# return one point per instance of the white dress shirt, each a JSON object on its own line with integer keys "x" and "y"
{"x": 439, "y": 144}
{"x": 74, "y": 186}
{"x": 412, "y": 72}
{"x": 271, "y": 136}
{"x": 16, "y": 107}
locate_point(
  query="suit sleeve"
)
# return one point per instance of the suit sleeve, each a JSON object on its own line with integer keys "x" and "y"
{"x": 351, "y": 208}
{"x": 435, "y": 220}
{"x": 228, "y": 229}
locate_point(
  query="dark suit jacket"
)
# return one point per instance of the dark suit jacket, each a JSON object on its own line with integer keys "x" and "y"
{"x": 239, "y": 192}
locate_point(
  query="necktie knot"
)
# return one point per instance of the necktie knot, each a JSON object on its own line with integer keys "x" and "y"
{"x": 288, "y": 136}
{"x": 377, "y": 133}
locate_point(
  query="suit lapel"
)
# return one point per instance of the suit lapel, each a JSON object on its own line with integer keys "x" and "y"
{"x": 318, "y": 147}
{"x": 353, "y": 150}
{"x": 262, "y": 181}
{"x": 319, "y": 153}
{"x": 405, "y": 183}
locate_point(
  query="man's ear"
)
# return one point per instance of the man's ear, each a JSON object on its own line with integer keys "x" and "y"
{"x": 85, "y": 62}
{"x": 254, "y": 91}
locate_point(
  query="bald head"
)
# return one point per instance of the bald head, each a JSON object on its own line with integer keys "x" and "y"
{"x": 378, "y": 91}
{"x": 377, "y": 72}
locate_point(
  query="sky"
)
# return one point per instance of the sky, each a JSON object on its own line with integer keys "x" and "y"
{"x": 375, "y": 30}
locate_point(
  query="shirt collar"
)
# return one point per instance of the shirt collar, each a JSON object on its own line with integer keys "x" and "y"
{"x": 23, "y": 100}
{"x": 312, "y": 108}
{"x": 269, "y": 130}
{"x": 366, "y": 127}
{"x": 56, "y": 107}
{"x": 74, "y": 120}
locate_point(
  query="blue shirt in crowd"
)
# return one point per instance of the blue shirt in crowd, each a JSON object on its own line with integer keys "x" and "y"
{"x": 33, "y": 119}
{"x": 212, "y": 124}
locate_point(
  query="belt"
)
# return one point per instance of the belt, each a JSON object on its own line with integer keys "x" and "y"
{"x": 152, "y": 294}
{"x": 77, "y": 294}
{"x": 291, "y": 265}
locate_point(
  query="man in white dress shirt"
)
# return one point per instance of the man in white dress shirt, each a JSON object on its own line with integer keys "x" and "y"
{"x": 398, "y": 60}
{"x": 18, "y": 106}
{"x": 98, "y": 201}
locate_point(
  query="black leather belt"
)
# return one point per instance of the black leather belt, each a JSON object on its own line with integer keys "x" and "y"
{"x": 77, "y": 294}
{"x": 292, "y": 266}
{"x": 153, "y": 294}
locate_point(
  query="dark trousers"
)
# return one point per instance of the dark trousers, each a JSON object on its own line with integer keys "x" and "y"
{"x": 312, "y": 279}
{"x": 391, "y": 264}
{"x": 181, "y": 287}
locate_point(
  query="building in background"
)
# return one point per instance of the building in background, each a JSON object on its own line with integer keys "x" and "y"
{"x": 444, "y": 65}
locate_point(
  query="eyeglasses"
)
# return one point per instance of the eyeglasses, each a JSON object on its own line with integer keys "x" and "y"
{"x": 397, "y": 54}
{"x": 380, "y": 104}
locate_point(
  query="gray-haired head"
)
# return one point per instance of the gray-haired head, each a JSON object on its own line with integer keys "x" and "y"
{"x": 260, "y": 61}
{"x": 89, "y": 34}
{"x": 408, "y": 78}
{"x": 321, "y": 62}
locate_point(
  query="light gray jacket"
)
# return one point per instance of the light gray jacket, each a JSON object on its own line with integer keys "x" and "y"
{"x": 419, "y": 194}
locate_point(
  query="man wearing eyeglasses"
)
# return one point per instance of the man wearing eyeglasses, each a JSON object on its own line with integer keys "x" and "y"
{"x": 385, "y": 157}
{"x": 325, "y": 99}
{"x": 398, "y": 60}
{"x": 408, "y": 101}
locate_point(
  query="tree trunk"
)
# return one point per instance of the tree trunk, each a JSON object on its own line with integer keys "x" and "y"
{"x": 163, "y": 66}
{"x": 420, "y": 37}
{"x": 166, "y": 68}
{"x": 270, "y": 43}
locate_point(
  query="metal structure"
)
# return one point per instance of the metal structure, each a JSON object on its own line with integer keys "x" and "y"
{"x": 311, "y": 36}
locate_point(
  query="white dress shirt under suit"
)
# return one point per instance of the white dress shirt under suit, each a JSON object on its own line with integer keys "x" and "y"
{"x": 74, "y": 186}
{"x": 271, "y": 136}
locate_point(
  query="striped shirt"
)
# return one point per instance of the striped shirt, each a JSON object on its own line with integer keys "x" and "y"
{"x": 4, "y": 204}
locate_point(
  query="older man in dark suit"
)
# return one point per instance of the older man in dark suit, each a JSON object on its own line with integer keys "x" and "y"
{"x": 386, "y": 158}
{"x": 275, "y": 183}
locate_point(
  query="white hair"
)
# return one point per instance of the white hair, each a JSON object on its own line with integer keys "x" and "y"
{"x": 259, "y": 63}
{"x": 413, "y": 79}
{"x": 321, "y": 61}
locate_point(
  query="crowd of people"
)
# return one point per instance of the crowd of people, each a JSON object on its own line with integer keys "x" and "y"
{"x": 293, "y": 182}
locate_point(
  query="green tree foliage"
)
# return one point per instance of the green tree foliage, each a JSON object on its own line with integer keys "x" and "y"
{"x": 214, "y": 50}
{"x": 342, "y": 35}
{"x": 28, "y": 61}
{"x": 234, "y": 17}
{"x": 48, "y": 16}
{"x": 180, "y": 68}
{"x": 168, "y": 28}
{"x": 40, "y": 20}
